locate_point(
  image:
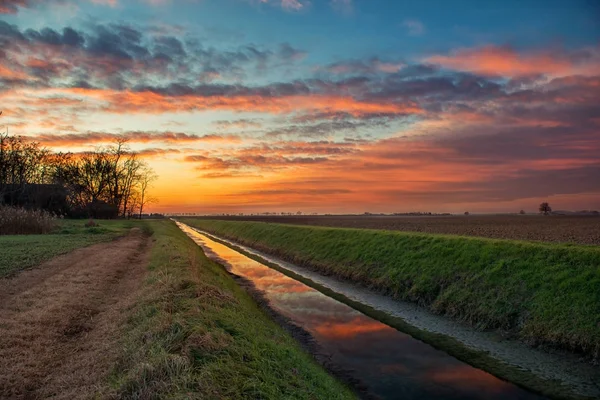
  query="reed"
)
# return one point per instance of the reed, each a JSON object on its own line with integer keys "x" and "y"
{"x": 20, "y": 221}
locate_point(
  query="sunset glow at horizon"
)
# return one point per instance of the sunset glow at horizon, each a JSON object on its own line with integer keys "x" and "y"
{"x": 328, "y": 106}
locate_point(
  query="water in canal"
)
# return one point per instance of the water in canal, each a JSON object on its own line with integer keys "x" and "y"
{"x": 391, "y": 364}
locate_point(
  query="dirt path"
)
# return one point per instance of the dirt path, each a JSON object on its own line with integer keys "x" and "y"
{"x": 59, "y": 323}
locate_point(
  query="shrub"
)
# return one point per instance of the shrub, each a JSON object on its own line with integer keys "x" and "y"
{"x": 91, "y": 223}
{"x": 19, "y": 221}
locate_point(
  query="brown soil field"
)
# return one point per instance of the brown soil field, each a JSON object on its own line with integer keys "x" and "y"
{"x": 60, "y": 322}
{"x": 554, "y": 228}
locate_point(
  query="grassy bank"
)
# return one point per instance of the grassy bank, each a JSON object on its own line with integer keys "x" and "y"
{"x": 197, "y": 334}
{"x": 543, "y": 293}
{"x": 24, "y": 251}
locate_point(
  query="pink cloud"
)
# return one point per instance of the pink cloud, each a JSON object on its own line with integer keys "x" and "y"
{"x": 505, "y": 61}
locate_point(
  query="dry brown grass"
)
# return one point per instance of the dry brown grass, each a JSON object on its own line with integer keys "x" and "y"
{"x": 61, "y": 322}
{"x": 19, "y": 221}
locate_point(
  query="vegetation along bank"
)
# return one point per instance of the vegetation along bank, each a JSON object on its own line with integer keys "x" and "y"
{"x": 544, "y": 294}
{"x": 195, "y": 333}
{"x": 142, "y": 315}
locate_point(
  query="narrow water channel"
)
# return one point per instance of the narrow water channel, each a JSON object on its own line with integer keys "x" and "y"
{"x": 389, "y": 363}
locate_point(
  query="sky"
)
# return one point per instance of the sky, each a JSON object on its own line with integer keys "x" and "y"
{"x": 328, "y": 106}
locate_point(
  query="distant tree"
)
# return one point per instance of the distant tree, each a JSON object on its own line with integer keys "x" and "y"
{"x": 466, "y": 213}
{"x": 545, "y": 208}
{"x": 522, "y": 212}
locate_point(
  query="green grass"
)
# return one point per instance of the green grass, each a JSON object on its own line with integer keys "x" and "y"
{"x": 197, "y": 334}
{"x": 542, "y": 293}
{"x": 19, "y": 252}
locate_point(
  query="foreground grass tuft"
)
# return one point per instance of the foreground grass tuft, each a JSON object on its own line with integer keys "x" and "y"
{"x": 543, "y": 293}
{"x": 197, "y": 334}
{"x": 19, "y": 252}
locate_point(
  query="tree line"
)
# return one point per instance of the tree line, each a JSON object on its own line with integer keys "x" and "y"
{"x": 108, "y": 182}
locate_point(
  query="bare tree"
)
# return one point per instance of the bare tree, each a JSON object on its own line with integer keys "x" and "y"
{"x": 107, "y": 182}
{"x": 147, "y": 176}
{"x": 87, "y": 177}
{"x": 110, "y": 179}
{"x": 130, "y": 179}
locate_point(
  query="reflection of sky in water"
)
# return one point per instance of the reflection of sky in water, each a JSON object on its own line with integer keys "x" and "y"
{"x": 390, "y": 363}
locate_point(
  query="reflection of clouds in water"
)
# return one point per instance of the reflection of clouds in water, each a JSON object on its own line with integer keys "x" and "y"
{"x": 315, "y": 303}
{"x": 391, "y": 363}
{"x": 468, "y": 378}
{"x": 340, "y": 330}
{"x": 285, "y": 291}
{"x": 324, "y": 315}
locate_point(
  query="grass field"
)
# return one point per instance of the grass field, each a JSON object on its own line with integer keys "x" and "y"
{"x": 24, "y": 251}
{"x": 197, "y": 334}
{"x": 553, "y": 228}
{"x": 543, "y": 293}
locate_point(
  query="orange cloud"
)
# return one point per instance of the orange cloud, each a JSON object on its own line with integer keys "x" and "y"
{"x": 354, "y": 327}
{"x": 418, "y": 173}
{"x": 150, "y": 102}
{"x": 469, "y": 377}
{"x": 504, "y": 61}
{"x": 7, "y": 73}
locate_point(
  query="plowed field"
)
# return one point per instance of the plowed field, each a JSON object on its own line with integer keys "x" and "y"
{"x": 557, "y": 229}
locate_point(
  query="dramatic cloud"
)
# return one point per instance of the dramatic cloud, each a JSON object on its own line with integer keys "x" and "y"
{"x": 120, "y": 56}
{"x": 302, "y": 123}
{"x": 505, "y": 61}
{"x": 78, "y": 139}
{"x": 252, "y": 100}
{"x": 269, "y": 157}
